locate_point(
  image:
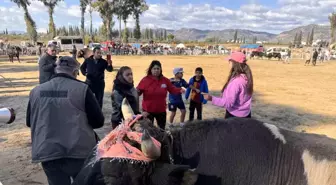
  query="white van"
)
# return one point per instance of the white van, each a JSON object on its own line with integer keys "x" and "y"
{"x": 65, "y": 43}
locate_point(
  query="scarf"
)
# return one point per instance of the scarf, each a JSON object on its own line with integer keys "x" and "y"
{"x": 124, "y": 88}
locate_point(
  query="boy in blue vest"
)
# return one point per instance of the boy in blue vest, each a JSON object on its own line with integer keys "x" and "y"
{"x": 176, "y": 101}
{"x": 197, "y": 86}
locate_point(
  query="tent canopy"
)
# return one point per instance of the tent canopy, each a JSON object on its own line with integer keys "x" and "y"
{"x": 250, "y": 46}
{"x": 180, "y": 45}
{"x": 136, "y": 45}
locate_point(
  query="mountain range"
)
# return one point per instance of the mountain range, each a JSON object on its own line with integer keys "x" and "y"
{"x": 320, "y": 32}
{"x": 191, "y": 34}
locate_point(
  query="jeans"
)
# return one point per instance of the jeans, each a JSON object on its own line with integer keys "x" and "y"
{"x": 195, "y": 105}
{"x": 61, "y": 171}
{"x": 98, "y": 90}
{"x": 229, "y": 115}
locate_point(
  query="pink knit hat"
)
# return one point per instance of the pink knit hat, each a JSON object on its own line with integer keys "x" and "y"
{"x": 238, "y": 57}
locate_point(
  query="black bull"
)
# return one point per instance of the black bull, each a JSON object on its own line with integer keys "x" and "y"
{"x": 229, "y": 152}
{"x": 14, "y": 51}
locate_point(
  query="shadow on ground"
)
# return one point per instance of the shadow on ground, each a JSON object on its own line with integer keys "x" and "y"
{"x": 284, "y": 116}
{"x": 22, "y": 59}
{"x": 17, "y": 68}
{"x": 17, "y": 82}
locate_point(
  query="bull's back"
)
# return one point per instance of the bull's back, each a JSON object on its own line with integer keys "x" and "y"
{"x": 247, "y": 151}
{"x": 318, "y": 155}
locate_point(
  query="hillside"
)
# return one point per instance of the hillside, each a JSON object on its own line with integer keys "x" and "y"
{"x": 223, "y": 35}
{"x": 320, "y": 32}
{"x": 191, "y": 34}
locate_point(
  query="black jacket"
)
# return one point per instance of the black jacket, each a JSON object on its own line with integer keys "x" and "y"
{"x": 95, "y": 72}
{"x": 46, "y": 67}
{"x": 117, "y": 98}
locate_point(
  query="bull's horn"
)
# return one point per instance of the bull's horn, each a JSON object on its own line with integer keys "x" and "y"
{"x": 126, "y": 110}
{"x": 148, "y": 147}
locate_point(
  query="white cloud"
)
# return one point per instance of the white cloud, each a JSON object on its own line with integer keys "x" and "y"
{"x": 287, "y": 15}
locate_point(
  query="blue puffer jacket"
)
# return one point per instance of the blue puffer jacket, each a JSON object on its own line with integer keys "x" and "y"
{"x": 203, "y": 88}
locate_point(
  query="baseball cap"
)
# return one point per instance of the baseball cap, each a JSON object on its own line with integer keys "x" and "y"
{"x": 177, "y": 70}
{"x": 67, "y": 63}
{"x": 239, "y": 57}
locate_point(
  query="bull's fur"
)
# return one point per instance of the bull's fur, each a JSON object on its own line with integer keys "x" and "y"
{"x": 124, "y": 172}
{"x": 112, "y": 171}
{"x": 236, "y": 151}
{"x": 246, "y": 151}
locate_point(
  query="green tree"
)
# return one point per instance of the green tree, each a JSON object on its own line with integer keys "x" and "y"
{"x": 299, "y": 38}
{"x": 137, "y": 31}
{"x": 254, "y": 41}
{"x": 140, "y": 6}
{"x": 125, "y": 8}
{"x": 295, "y": 38}
{"x": 235, "y": 36}
{"x": 332, "y": 20}
{"x": 77, "y": 31}
{"x": 125, "y": 35}
{"x": 165, "y": 34}
{"x": 106, "y": 11}
{"x": 146, "y": 33}
{"x": 30, "y": 23}
{"x": 170, "y": 37}
{"x": 311, "y": 39}
{"x": 71, "y": 30}
{"x": 151, "y": 34}
{"x": 308, "y": 37}
{"x": 90, "y": 12}
{"x": 83, "y": 4}
{"x": 51, "y": 4}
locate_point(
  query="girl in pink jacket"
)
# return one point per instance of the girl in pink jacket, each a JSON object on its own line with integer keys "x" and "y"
{"x": 237, "y": 92}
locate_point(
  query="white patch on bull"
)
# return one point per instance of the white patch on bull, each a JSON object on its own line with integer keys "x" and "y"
{"x": 276, "y": 132}
{"x": 318, "y": 172}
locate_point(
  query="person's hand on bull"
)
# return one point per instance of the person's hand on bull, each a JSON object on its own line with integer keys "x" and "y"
{"x": 145, "y": 114}
{"x": 207, "y": 96}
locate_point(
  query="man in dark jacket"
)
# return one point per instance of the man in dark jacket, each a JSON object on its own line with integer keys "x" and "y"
{"x": 47, "y": 64}
{"x": 62, "y": 114}
{"x": 315, "y": 55}
{"x": 94, "y": 69}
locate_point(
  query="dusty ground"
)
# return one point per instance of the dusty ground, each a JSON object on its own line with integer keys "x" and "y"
{"x": 292, "y": 95}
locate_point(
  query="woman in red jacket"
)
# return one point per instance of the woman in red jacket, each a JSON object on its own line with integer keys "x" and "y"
{"x": 154, "y": 88}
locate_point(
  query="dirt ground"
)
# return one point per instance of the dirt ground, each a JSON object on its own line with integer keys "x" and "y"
{"x": 293, "y": 96}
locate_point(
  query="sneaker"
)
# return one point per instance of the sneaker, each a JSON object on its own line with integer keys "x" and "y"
{"x": 182, "y": 124}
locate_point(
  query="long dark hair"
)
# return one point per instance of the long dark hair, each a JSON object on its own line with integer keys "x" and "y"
{"x": 154, "y": 63}
{"x": 238, "y": 69}
{"x": 119, "y": 79}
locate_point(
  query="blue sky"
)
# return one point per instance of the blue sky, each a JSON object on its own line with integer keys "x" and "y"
{"x": 272, "y": 16}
